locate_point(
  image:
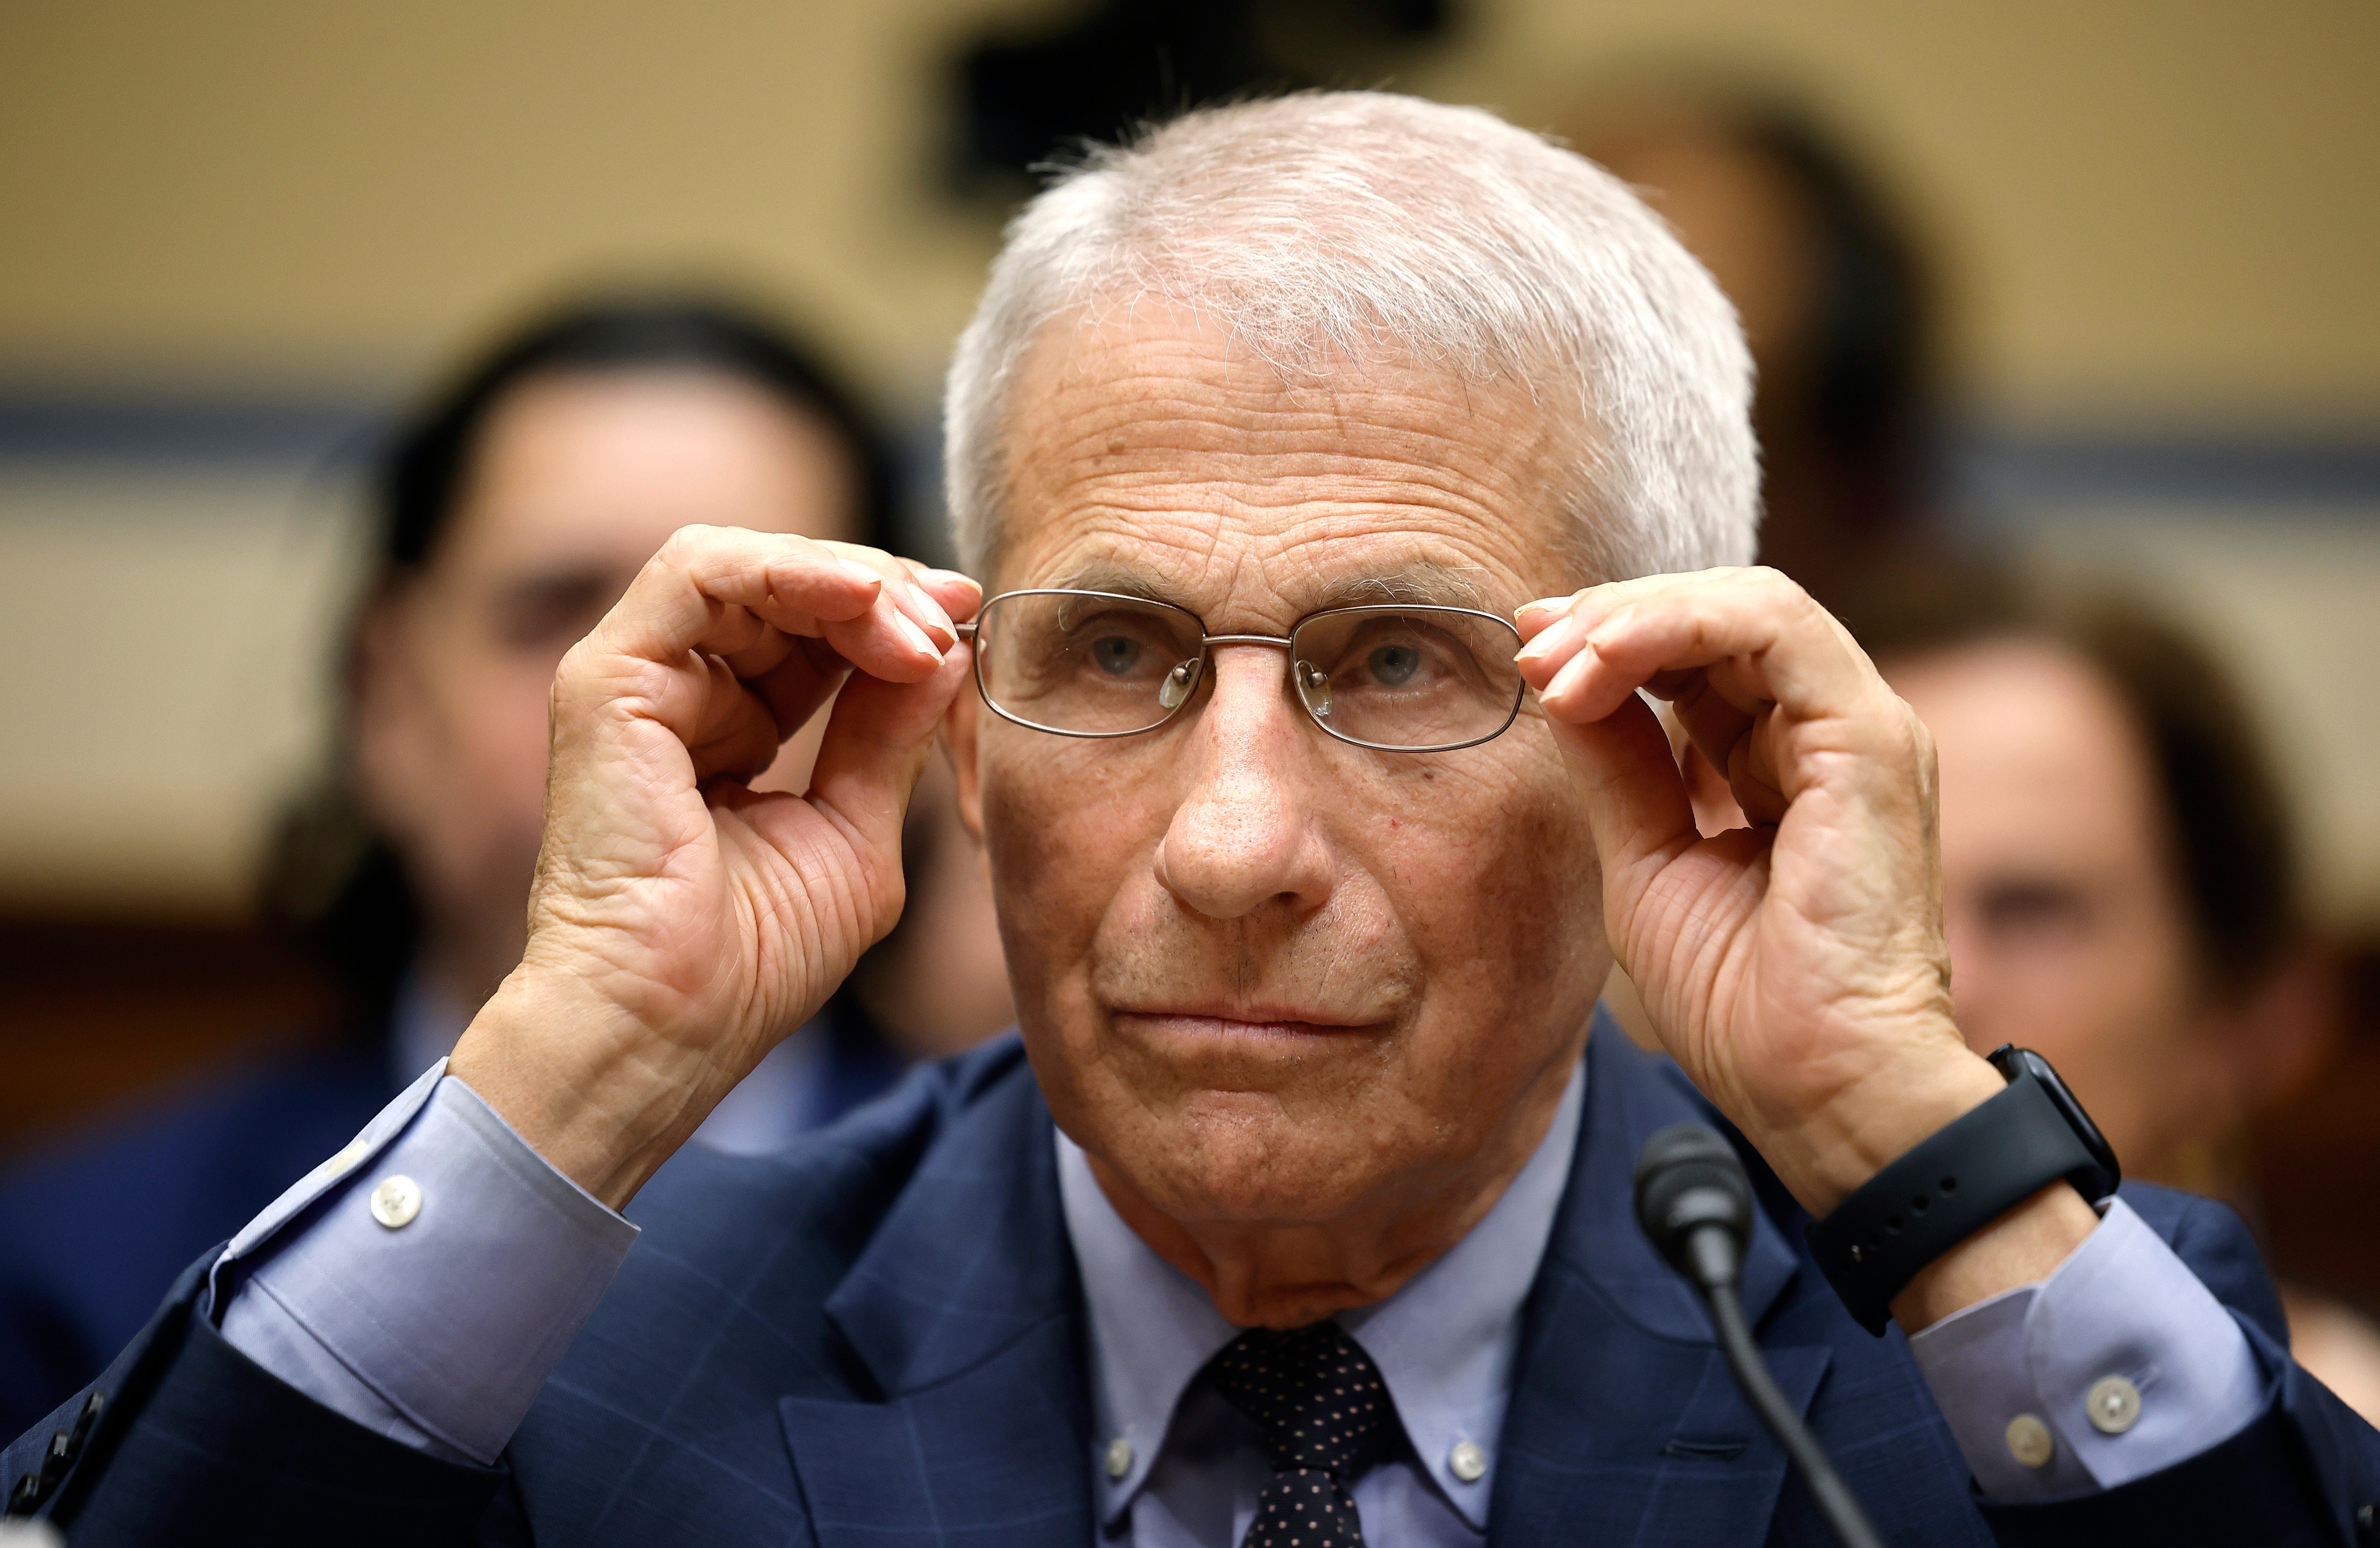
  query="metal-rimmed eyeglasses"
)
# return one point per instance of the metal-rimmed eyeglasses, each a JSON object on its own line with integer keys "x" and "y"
{"x": 1397, "y": 677}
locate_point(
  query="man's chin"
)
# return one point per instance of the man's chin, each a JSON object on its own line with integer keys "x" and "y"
{"x": 1247, "y": 1158}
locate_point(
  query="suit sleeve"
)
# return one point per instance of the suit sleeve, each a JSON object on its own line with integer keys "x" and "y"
{"x": 193, "y": 1443}
{"x": 2304, "y": 1472}
{"x": 189, "y": 1437}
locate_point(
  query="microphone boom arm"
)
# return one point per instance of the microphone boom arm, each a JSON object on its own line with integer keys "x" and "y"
{"x": 1695, "y": 1203}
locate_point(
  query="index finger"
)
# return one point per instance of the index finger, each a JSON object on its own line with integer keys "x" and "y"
{"x": 1756, "y": 635}
{"x": 701, "y": 590}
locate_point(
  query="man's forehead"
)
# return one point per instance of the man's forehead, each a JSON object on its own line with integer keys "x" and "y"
{"x": 1149, "y": 449}
{"x": 1311, "y": 581}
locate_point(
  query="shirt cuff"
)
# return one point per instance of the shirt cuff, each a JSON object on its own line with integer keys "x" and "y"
{"x": 426, "y": 1280}
{"x": 2120, "y": 1364}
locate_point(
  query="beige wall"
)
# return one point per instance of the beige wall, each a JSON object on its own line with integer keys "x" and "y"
{"x": 2157, "y": 210}
{"x": 167, "y": 633}
{"x": 2158, "y": 207}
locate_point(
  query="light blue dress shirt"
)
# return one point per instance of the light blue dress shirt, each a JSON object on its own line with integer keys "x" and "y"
{"x": 1444, "y": 1344}
{"x": 440, "y": 1331}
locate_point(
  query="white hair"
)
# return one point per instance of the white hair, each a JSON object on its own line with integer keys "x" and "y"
{"x": 1345, "y": 225}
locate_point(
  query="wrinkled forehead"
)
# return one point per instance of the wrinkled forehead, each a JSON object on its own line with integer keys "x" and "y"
{"x": 1153, "y": 451}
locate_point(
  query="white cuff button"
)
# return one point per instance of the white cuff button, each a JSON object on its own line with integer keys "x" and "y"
{"x": 2114, "y": 1405}
{"x": 2028, "y": 1442}
{"x": 1119, "y": 1458}
{"x": 1467, "y": 1461}
{"x": 395, "y": 1202}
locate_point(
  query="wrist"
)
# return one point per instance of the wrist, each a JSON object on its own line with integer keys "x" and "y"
{"x": 582, "y": 1081}
{"x": 1866, "y": 1126}
{"x": 1993, "y": 1199}
{"x": 2022, "y": 1247}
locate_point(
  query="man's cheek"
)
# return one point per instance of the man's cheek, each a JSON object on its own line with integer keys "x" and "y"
{"x": 1526, "y": 890}
{"x": 1061, "y": 848}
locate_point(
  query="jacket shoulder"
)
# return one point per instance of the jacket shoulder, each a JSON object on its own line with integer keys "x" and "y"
{"x": 758, "y": 1244}
{"x": 738, "y": 1301}
{"x": 829, "y": 1189}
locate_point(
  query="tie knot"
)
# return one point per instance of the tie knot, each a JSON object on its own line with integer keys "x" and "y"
{"x": 1312, "y": 1391}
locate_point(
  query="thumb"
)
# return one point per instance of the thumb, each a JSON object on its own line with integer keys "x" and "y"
{"x": 877, "y": 739}
{"x": 1636, "y": 802}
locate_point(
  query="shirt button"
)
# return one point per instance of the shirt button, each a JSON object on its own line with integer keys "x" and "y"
{"x": 396, "y": 1201}
{"x": 2114, "y": 1405}
{"x": 1119, "y": 1457}
{"x": 2028, "y": 1442}
{"x": 1467, "y": 1461}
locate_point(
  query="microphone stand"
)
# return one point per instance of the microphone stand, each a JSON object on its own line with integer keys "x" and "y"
{"x": 1695, "y": 1203}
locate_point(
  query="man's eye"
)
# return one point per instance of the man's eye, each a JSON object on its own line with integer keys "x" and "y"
{"x": 1392, "y": 666}
{"x": 1117, "y": 655}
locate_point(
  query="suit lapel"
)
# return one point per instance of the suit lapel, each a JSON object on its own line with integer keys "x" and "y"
{"x": 962, "y": 1312}
{"x": 1625, "y": 1426}
{"x": 972, "y": 1425}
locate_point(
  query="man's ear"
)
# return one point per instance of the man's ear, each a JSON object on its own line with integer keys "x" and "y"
{"x": 959, "y": 725}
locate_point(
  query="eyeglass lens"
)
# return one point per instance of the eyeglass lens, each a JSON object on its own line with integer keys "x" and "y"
{"x": 1093, "y": 665}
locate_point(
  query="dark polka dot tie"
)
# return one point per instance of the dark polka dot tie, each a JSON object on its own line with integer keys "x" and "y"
{"x": 1317, "y": 1398}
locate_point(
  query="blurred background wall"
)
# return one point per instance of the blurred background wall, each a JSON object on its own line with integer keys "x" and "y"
{"x": 234, "y": 235}
{"x": 234, "y": 239}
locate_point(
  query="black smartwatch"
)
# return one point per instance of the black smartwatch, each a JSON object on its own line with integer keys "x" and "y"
{"x": 1958, "y": 1180}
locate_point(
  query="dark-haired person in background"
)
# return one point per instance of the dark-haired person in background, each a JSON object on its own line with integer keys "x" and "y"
{"x": 1837, "y": 302}
{"x": 2120, "y": 890}
{"x": 513, "y": 512}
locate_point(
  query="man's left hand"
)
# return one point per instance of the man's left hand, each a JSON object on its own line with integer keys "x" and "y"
{"x": 1795, "y": 968}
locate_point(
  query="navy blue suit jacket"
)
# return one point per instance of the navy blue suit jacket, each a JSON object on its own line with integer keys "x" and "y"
{"x": 95, "y": 1229}
{"x": 876, "y": 1341}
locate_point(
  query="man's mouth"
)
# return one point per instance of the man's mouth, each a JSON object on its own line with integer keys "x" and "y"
{"x": 1246, "y": 1021}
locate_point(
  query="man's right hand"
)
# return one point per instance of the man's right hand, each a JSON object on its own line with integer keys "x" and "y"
{"x": 681, "y": 924}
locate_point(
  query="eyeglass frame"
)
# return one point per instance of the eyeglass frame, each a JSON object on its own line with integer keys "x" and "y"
{"x": 1206, "y": 644}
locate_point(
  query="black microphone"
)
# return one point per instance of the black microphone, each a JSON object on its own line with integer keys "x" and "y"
{"x": 1696, "y": 1204}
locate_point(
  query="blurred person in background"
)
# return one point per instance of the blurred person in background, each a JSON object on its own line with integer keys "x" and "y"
{"x": 1836, "y": 304}
{"x": 513, "y": 512}
{"x": 2121, "y": 891}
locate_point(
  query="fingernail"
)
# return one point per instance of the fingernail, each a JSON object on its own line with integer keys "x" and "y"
{"x": 859, "y": 572}
{"x": 952, "y": 577}
{"x": 916, "y": 635}
{"x": 1573, "y": 673}
{"x": 932, "y": 610}
{"x": 1527, "y": 607}
{"x": 1556, "y": 636}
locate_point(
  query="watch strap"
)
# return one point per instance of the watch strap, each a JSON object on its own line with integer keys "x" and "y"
{"x": 1942, "y": 1190}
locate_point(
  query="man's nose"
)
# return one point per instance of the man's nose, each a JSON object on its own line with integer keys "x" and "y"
{"x": 1243, "y": 834}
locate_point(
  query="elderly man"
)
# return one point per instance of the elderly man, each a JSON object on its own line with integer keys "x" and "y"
{"x": 1299, "y": 1214}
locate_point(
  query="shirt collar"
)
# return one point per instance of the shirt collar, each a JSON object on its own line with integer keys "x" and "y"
{"x": 1444, "y": 1344}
